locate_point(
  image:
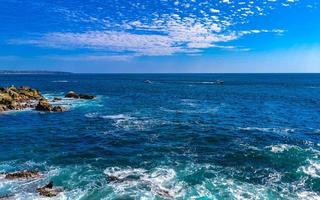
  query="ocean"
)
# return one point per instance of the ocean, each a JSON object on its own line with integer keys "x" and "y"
{"x": 181, "y": 136}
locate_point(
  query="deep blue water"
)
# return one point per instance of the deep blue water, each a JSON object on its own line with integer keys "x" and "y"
{"x": 255, "y": 137}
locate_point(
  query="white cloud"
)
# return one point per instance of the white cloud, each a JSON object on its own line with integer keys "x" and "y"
{"x": 188, "y": 27}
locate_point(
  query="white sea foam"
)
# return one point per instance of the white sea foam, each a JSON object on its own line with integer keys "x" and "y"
{"x": 92, "y": 115}
{"x": 190, "y": 102}
{"x": 26, "y": 189}
{"x": 273, "y": 130}
{"x": 308, "y": 195}
{"x": 148, "y": 183}
{"x": 281, "y": 148}
{"x": 196, "y": 109}
{"x": 60, "y": 81}
{"x": 117, "y": 117}
{"x": 128, "y": 122}
{"x": 312, "y": 168}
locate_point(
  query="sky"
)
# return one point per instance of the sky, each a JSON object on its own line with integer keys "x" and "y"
{"x": 161, "y": 36}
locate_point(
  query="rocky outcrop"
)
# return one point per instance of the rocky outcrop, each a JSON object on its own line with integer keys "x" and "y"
{"x": 13, "y": 98}
{"x": 49, "y": 190}
{"x": 22, "y": 175}
{"x": 44, "y": 106}
{"x": 74, "y": 95}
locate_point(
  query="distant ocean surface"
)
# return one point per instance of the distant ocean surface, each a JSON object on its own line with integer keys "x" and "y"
{"x": 257, "y": 136}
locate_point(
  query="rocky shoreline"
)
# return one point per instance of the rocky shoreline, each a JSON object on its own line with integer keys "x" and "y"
{"x": 49, "y": 190}
{"x": 20, "y": 98}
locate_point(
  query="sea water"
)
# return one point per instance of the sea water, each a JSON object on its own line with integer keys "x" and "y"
{"x": 179, "y": 136}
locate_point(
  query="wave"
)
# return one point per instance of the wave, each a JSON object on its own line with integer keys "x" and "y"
{"x": 60, "y": 81}
{"x": 200, "y": 82}
{"x": 167, "y": 183}
{"x": 281, "y": 148}
{"x": 26, "y": 189}
{"x": 312, "y": 168}
{"x": 273, "y": 130}
{"x": 117, "y": 117}
{"x": 308, "y": 195}
{"x": 127, "y": 122}
{"x": 181, "y": 181}
{"x": 159, "y": 182}
{"x": 189, "y": 102}
{"x": 194, "y": 109}
{"x": 314, "y": 87}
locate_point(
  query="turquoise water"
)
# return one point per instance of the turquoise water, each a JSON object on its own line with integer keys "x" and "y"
{"x": 181, "y": 137}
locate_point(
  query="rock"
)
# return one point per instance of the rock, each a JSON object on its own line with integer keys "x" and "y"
{"x": 7, "y": 197}
{"x": 114, "y": 179}
{"x": 22, "y": 175}
{"x": 49, "y": 190}
{"x": 44, "y": 105}
{"x": 72, "y": 94}
{"x": 58, "y": 109}
{"x": 12, "y": 98}
{"x": 57, "y": 99}
{"x": 86, "y": 96}
{"x": 3, "y": 108}
{"x": 164, "y": 193}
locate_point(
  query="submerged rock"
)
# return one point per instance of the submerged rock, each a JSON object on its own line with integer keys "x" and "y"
{"x": 86, "y": 96}
{"x": 49, "y": 190}
{"x": 114, "y": 179}
{"x": 72, "y": 94}
{"x": 7, "y": 197}
{"x": 58, "y": 109}
{"x": 22, "y": 175}
{"x": 57, "y": 99}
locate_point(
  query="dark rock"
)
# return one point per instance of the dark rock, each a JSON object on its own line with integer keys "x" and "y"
{"x": 114, "y": 179}
{"x": 44, "y": 105}
{"x": 163, "y": 193}
{"x": 49, "y": 190}
{"x": 22, "y": 175}
{"x": 57, "y": 99}
{"x": 6, "y": 197}
{"x": 72, "y": 94}
{"x": 86, "y": 96}
{"x": 58, "y": 109}
{"x": 3, "y": 108}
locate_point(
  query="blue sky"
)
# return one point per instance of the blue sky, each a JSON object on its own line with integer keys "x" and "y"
{"x": 160, "y": 35}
